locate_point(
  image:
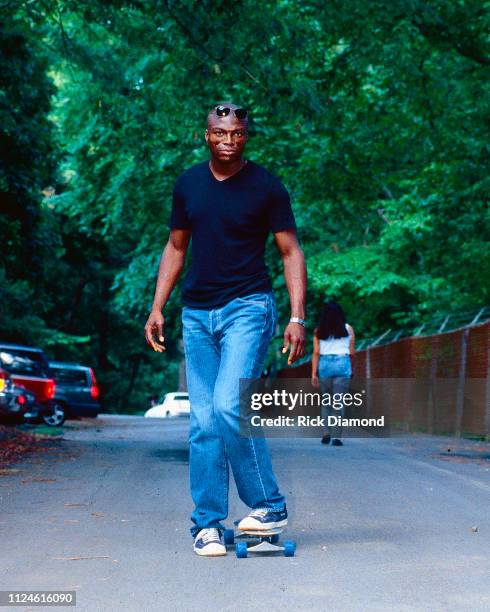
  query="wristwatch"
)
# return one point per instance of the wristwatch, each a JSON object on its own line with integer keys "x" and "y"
{"x": 298, "y": 320}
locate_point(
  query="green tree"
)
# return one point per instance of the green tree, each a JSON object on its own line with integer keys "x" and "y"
{"x": 373, "y": 114}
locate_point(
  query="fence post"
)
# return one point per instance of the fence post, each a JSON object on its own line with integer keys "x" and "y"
{"x": 432, "y": 384}
{"x": 461, "y": 381}
{"x": 444, "y": 323}
{"x": 420, "y": 330}
{"x": 378, "y": 340}
{"x": 487, "y": 407}
{"x": 368, "y": 381}
{"x": 478, "y": 315}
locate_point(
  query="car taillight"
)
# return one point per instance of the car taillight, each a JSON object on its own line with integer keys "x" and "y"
{"x": 94, "y": 389}
{"x": 21, "y": 399}
{"x": 50, "y": 389}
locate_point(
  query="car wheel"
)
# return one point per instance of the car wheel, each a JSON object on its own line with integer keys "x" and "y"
{"x": 57, "y": 418}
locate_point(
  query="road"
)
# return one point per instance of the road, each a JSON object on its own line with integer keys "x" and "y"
{"x": 393, "y": 524}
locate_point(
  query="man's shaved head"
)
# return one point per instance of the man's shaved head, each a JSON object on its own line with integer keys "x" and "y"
{"x": 226, "y": 136}
{"x": 214, "y": 120}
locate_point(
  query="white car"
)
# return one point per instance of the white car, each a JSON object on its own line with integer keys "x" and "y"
{"x": 174, "y": 404}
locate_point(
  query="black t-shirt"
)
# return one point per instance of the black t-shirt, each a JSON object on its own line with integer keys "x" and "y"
{"x": 230, "y": 221}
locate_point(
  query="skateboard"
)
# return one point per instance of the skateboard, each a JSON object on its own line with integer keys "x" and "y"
{"x": 258, "y": 542}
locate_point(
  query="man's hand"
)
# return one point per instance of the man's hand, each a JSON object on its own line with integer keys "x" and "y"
{"x": 154, "y": 327}
{"x": 294, "y": 335}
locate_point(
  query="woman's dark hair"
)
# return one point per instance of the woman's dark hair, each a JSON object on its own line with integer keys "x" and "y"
{"x": 332, "y": 322}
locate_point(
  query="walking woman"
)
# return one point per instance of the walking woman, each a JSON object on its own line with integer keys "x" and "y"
{"x": 331, "y": 367}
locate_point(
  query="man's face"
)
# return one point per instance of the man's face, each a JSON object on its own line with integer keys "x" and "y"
{"x": 226, "y": 137}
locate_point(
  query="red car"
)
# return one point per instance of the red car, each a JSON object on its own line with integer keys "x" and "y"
{"x": 28, "y": 367}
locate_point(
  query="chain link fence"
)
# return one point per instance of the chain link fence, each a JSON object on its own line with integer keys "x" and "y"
{"x": 451, "y": 353}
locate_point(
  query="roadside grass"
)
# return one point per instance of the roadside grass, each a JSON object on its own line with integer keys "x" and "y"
{"x": 41, "y": 429}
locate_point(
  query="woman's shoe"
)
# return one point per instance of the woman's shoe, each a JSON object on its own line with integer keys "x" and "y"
{"x": 326, "y": 438}
{"x": 337, "y": 442}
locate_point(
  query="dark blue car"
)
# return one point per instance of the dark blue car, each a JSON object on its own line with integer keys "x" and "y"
{"x": 77, "y": 392}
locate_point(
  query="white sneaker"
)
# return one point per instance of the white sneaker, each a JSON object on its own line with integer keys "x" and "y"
{"x": 208, "y": 543}
{"x": 263, "y": 519}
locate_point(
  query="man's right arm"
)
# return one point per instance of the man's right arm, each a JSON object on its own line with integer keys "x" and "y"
{"x": 171, "y": 265}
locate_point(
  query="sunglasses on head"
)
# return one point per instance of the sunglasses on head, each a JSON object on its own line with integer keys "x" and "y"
{"x": 223, "y": 111}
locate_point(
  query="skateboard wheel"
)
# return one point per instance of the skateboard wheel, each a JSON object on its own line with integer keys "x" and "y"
{"x": 289, "y": 548}
{"x": 241, "y": 550}
{"x": 229, "y": 536}
{"x": 274, "y": 538}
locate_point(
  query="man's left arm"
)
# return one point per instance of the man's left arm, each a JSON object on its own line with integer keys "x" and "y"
{"x": 295, "y": 276}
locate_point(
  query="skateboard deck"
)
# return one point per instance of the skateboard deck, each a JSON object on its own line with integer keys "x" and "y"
{"x": 258, "y": 541}
{"x": 261, "y": 533}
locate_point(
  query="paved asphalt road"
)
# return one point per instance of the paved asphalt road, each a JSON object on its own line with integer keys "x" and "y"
{"x": 392, "y": 524}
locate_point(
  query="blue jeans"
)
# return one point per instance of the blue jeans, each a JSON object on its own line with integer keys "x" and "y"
{"x": 334, "y": 372}
{"x": 221, "y": 346}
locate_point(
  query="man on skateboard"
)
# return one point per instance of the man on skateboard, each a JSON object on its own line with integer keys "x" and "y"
{"x": 228, "y": 205}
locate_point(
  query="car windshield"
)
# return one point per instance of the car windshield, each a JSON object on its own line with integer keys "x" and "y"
{"x": 23, "y": 363}
{"x": 68, "y": 376}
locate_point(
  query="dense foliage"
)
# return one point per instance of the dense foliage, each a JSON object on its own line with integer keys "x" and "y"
{"x": 372, "y": 113}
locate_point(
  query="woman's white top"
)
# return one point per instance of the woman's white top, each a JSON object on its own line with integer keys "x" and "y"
{"x": 336, "y": 346}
